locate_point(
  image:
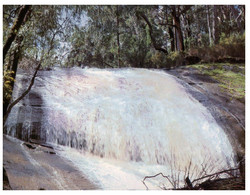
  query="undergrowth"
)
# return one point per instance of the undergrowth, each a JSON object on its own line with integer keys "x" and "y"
{"x": 231, "y": 77}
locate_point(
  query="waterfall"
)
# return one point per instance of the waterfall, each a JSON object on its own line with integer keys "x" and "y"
{"x": 134, "y": 116}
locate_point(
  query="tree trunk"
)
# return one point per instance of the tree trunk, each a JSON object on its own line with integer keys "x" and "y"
{"x": 156, "y": 46}
{"x": 118, "y": 36}
{"x": 15, "y": 28}
{"x": 186, "y": 29}
{"x": 22, "y": 96}
{"x": 208, "y": 26}
{"x": 171, "y": 34}
{"x": 13, "y": 68}
{"x": 215, "y": 25}
{"x": 177, "y": 23}
{"x": 176, "y": 39}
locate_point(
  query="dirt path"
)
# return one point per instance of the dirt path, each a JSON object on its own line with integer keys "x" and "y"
{"x": 35, "y": 167}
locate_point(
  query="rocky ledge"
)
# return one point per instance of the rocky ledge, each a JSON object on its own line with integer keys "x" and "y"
{"x": 36, "y": 166}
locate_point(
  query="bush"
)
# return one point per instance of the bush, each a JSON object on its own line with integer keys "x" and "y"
{"x": 158, "y": 60}
{"x": 234, "y": 45}
{"x": 228, "y": 47}
{"x": 161, "y": 60}
{"x": 176, "y": 58}
{"x": 7, "y": 85}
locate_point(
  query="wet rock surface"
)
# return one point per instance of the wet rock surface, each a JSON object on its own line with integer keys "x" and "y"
{"x": 34, "y": 167}
{"x": 32, "y": 164}
{"x": 25, "y": 119}
{"x": 227, "y": 111}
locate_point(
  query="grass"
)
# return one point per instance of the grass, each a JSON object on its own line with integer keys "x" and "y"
{"x": 231, "y": 77}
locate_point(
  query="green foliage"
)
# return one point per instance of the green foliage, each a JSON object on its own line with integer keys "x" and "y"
{"x": 7, "y": 85}
{"x": 231, "y": 46}
{"x": 175, "y": 59}
{"x": 233, "y": 39}
{"x": 57, "y": 35}
{"x": 234, "y": 45}
{"x": 161, "y": 60}
{"x": 231, "y": 77}
{"x": 148, "y": 39}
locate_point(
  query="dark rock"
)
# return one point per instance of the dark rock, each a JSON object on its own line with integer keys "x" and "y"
{"x": 73, "y": 140}
{"x": 50, "y": 152}
{"x": 203, "y": 78}
{"x": 35, "y": 131}
{"x": 6, "y": 183}
{"x": 189, "y": 183}
{"x": 230, "y": 60}
{"x": 29, "y": 146}
{"x": 191, "y": 60}
{"x": 242, "y": 100}
{"x": 225, "y": 67}
{"x": 236, "y": 69}
{"x": 40, "y": 143}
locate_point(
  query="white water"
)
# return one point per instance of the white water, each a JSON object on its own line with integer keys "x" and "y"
{"x": 129, "y": 123}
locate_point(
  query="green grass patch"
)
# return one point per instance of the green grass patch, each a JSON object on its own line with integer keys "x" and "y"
{"x": 231, "y": 77}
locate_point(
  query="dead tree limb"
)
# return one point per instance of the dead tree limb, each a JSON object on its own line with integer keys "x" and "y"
{"x": 215, "y": 174}
{"x": 147, "y": 177}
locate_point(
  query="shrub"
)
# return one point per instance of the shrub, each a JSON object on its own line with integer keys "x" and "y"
{"x": 159, "y": 60}
{"x": 173, "y": 59}
{"x": 7, "y": 85}
{"x": 229, "y": 47}
{"x": 234, "y": 45}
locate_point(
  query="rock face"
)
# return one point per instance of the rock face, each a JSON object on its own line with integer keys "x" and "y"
{"x": 228, "y": 112}
{"x": 25, "y": 119}
{"x": 32, "y": 164}
{"x": 6, "y": 183}
{"x": 35, "y": 167}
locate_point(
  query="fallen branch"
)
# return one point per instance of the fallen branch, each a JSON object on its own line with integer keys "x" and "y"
{"x": 190, "y": 185}
{"x": 147, "y": 177}
{"x": 215, "y": 174}
{"x": 108, "y": 64}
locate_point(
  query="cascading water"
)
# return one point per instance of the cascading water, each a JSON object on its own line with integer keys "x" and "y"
{"x": 125, "y": 124}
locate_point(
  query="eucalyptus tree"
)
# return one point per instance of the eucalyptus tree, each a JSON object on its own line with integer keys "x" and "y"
{"x": 22, "y": 17}
{"x": 35, "y": 38}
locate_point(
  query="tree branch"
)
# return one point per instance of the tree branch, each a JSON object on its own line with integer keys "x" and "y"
{"x": 22, "y": 96}
{"x": 167, "y": 24}
{"x": 108, "y": 64}
{"x": 218, "y": 173}
{"x": 156, "y": 176}
{"x": 186, "y": 8}
{"x": 15, "y": 28}
{"x": 156, "y": 46}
